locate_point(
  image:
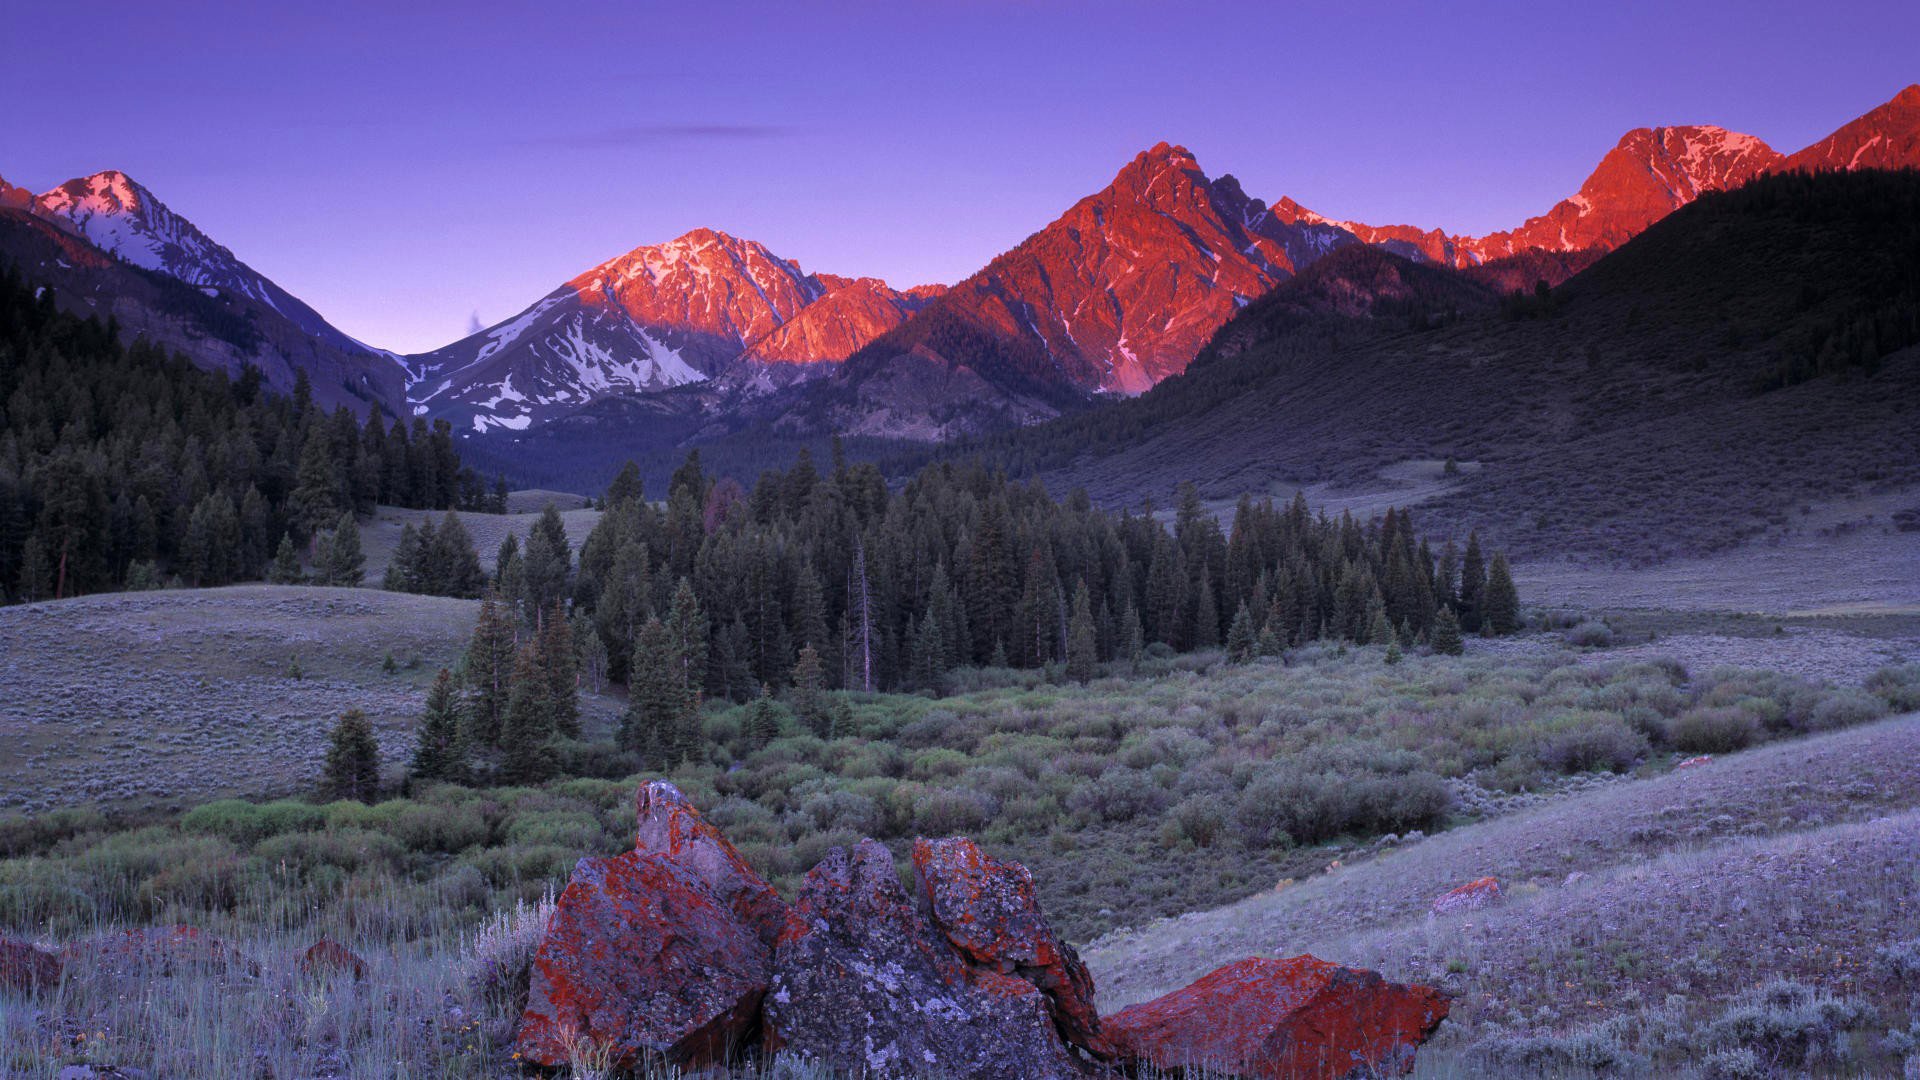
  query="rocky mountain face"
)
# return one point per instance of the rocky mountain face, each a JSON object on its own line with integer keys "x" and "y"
{"x": 108, "y": 247}
{"x": 1112, "y": 297}
{"x": 1649, "y": 174}
{"x": 706, "y": 308}
{"x": 121, "y": 217}
{"x": 1886, "y": 138}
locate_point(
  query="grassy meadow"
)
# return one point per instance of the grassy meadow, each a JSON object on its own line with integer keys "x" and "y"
{"x": 1183, "y": 786}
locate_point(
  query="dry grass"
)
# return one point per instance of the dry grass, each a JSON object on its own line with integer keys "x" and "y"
{"x": 157, "y": 700}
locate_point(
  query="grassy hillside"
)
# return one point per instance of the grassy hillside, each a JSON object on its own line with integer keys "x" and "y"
{"x": 1693, "y": 389}
{"x": 154, "y": 700}
{"x": 1638, "y": 919}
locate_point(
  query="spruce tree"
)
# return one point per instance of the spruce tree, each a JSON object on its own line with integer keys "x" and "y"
{"x": 526, "y": 735}
{"x": 662, "y": 719}
{"x": 1243, "y": 642}
{"x": 762, "y": 721}
{"x": 929, "y": 660}
{"x": 808, "y": 696}
{"x": 1206, "y": 612}
{"x": 490, "y": 656}
{"x": 1082, "y": 645}
{"x": 353, "y": 759}
{"x": 286, "y": 564}
{"x": 346, "y": 562}
{"x": 559, "y": 667}
{"x": 549, "y": 561}
{"x": 1473, "y": 586}
{"x": 316, "y": 499}
{"x": 688, "y": 625}
{"x": 1133, "y": 641}
{"x": 1446, "y": 634}
{"x": 442, "y": 751}
{"x": 1502, "y": 600}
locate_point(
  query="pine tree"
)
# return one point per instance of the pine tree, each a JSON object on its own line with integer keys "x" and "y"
{"x": 808, "y": 697}
{"x": 1082, "y": 646}
{"x": 688, "y": 625}
{"x": 1446, "y": 634}
{"x": 526, "y": 735}
{"x": 442, "y": 750}
{"x": 1473, "y": 586}
{"x": 929, "y": 660}
{"x": 286, "y": 564}
{"x": 1206, "y": 612}
{"x": 490, "y": 654}
{"x": 1133, "y": 641}
{"x": 345, "y": 563}
{"x": 762, "y": 722}
{"x": 589, "y": 651}
{"x": 316, "y": 499}
{"x": 1502, "y": 600}
{"x": 559, "y": 667}
{"x": 1243, "y": 642}
{"x": 652, "y": 684}
{"x": 353, "y": 759}
{"x": 549, "y": 561}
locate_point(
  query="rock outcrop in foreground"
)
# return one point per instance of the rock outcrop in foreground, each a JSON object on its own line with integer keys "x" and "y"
{"x": 1283, "y": 1018}
{"x": 678, "y": 953}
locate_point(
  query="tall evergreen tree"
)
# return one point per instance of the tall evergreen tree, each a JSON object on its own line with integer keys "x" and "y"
{"x": 442, "y": 751}
{"x": 1502, "y": 599}
{"x": 346, "y": 562}
{"x": 1243, "y": 641}
{"x": 526, "y": 735}
{"x": 808, "y": 696}
{"x": 1082, "y": 646}
{"x": 549, "y": 561}
{"x": 490, "y": 658}
{"x": 559, "y": 667}
{"x": 1473, "y": 586}
{"x": 353, "y": 759}
{"x": 1446, "y": 634}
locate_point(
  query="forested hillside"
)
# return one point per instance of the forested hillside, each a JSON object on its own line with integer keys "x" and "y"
{"x": 128, "y": 466}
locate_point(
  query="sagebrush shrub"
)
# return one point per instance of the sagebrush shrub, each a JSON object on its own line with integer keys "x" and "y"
{"x": 1714, "y": 730}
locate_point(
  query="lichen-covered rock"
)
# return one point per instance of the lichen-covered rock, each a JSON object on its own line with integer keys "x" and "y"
{"x": 162, "y": 950}
{"x": 989, "y": 911}
{"x": 25, "y": 969}
{"x": 1282, "y": 1020}
{"x": 866, "y": 985}
{"x": 645, "y": 964}
{"x": 1472, "y": 896}
{"x": 328, "y": 959}
{"x": 669, "y": 825}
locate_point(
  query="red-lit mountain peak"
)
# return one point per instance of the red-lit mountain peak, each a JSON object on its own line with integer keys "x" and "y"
{"x": 1888, "y": 137}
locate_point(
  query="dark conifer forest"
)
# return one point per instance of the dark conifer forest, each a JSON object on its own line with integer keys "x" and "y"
{"x": 125, "y": 467}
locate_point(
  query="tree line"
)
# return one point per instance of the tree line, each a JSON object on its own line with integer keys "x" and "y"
{"x": 124, "y": 466}
{"x": 814, "y": 582}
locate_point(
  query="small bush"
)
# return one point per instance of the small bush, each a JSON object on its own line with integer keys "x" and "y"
{"x": 1784, "y": 1021}
{"x": 1590, "y": 635}
{"x": 1899, "y": 962}
{"x": 1714, "y": 730}
{"x": 1121, "y": 794}
{"x": 1845, "y": 708}
{"x": 1592, "y": 742}
{"x": 1898, "y": 686}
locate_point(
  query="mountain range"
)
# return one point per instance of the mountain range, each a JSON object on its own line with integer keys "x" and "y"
{"x": 713, "y": 334}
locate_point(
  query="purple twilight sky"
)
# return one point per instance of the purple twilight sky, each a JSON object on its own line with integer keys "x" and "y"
{"x": 401, "y": 166}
